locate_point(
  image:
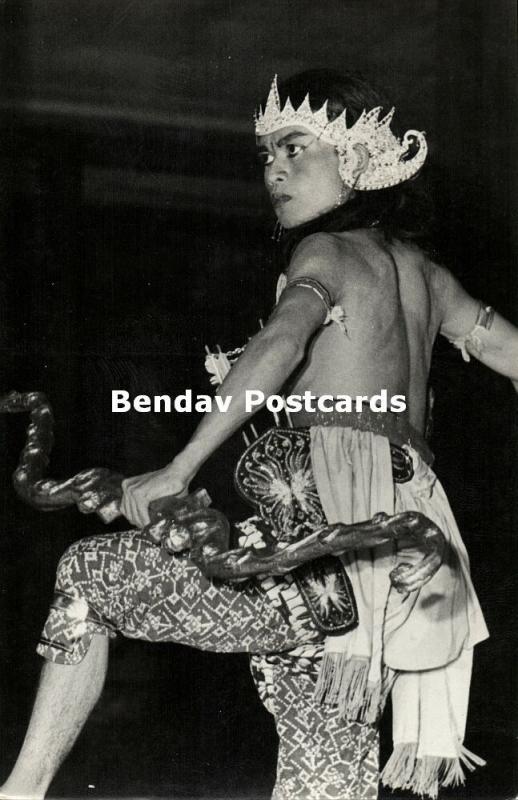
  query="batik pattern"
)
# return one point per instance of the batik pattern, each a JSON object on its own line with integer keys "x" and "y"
{"x": 275, "y": 476}
{"x": 282, "y": 591}
{"x": 321, "y": 756}
{"x": 123, "y": 582}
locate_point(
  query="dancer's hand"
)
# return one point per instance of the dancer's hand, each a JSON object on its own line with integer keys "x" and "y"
{"x": 138, "y": 492}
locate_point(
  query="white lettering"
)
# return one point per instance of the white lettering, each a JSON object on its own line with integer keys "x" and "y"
{"x": 398, "y": 402}
{"x": 142, "y": 403}
{"x": 359, "y": 400}
{"x": 274, "y": 403}
{"x": 343, "y": 403}
{"x": 120, "y": 396}
{"x": 378, "y": 402}
{"x": 223, "y": 403}
{"x": 157, "y": 401}
{"x": 321, "y": 402}
{"x": 183, "y": 402}
{"x": 253, "y": 397}
{"x": 203, "y": 403}
{"x": 294, "y": 402}
{"x": 308, "y": 401}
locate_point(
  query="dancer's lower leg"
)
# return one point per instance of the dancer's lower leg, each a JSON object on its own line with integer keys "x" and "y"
{"x": 66, "y": 696}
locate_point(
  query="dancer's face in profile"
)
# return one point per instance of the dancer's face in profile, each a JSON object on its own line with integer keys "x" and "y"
{"x": 301, "y": 174}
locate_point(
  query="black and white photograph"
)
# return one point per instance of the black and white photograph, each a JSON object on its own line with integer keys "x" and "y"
{"x": 258, "y": 402}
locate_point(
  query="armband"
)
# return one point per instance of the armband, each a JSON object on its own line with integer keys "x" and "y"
{"x": 334, "y": 313}
{"x": 473, "y": 339}
{"x": 315, "y": 286}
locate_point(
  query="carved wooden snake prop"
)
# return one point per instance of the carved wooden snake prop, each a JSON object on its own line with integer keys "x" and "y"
{"x": 188, "y": 523}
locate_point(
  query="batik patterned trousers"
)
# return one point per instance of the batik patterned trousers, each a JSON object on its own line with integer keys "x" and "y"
{"x": 122, "y": 582}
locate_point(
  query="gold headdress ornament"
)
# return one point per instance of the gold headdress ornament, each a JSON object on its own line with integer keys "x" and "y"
{"x": 389, "y": 160}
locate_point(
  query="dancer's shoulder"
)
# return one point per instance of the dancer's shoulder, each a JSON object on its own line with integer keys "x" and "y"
{"x": 329, "y": 258}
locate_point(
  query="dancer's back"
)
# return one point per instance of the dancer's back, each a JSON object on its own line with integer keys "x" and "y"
{"x": 392, "y": 297}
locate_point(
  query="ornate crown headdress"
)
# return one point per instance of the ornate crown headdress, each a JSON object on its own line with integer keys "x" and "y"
{"x": 389, "y": 159}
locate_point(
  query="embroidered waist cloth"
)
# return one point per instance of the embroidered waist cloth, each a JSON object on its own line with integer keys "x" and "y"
{"x": 396, "y": 427}
{"x": 420, "y": 645}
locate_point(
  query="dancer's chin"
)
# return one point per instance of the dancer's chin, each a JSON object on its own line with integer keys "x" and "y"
{"x": 294, "y": 221}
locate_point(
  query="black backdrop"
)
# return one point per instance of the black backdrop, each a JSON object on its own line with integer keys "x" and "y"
{"x": 134, "y": 232}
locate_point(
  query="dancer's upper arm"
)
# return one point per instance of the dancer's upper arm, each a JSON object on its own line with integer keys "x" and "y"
{"x": 477, "y": 330}
{"x": 314, "y": 281}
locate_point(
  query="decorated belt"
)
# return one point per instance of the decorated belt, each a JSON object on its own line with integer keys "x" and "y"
{"x": 395, "y": 427}
{"x": 275, "y": 476}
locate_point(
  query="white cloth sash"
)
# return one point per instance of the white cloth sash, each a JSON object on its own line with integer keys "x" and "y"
{"x": 419, "y": 646}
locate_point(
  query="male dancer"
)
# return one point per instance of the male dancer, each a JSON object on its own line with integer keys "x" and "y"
{"x": 358, "y": 312}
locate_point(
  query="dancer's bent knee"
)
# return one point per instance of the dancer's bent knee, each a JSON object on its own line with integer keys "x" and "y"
{"x": 122, "y": 582}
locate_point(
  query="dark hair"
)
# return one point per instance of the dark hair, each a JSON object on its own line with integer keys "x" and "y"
{"x": 403, "y": 211}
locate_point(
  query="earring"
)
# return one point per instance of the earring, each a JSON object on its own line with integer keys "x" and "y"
{"x": 346, "y": 170}
{"x": 341, "y": 196}
{"x": 277, "y": 232}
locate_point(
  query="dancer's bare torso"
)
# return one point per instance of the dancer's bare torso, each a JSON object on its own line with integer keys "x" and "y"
{"x": 391, "y": 296}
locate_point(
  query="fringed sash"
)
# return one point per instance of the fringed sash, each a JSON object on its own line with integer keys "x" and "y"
{"x": 418, "y": 647}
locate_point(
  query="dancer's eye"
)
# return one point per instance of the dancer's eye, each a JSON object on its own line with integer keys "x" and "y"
{"x": 264, "y": 157}
{"x": 294, "y": 150}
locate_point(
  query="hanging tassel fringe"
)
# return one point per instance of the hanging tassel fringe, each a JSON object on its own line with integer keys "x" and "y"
{"x": 423, "y": 776}
{"x": 344, "y": 682}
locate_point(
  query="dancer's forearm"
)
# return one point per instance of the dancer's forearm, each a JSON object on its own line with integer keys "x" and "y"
{"x": 268, "y": 360}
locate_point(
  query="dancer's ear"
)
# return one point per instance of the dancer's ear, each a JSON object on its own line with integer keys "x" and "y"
{"x": 363, "y": 157}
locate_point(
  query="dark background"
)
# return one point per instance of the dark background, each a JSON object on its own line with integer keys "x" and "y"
{"x": 135, "y": 231}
